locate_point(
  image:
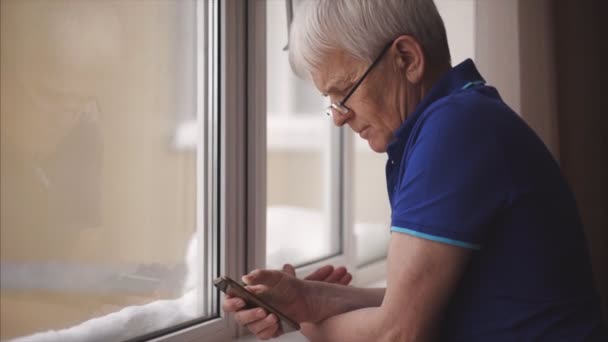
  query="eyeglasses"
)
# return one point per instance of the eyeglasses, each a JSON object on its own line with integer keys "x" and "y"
{"x": 339, "y": 106}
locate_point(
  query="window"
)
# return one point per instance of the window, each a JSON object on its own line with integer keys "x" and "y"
{"x": 326, "y": 192}
{"x": 303, "y": 179}
{"x": 371, "y": 212}
{"x": 110, "y": 168}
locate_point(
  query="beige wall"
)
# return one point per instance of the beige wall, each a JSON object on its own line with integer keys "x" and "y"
{"x": 297, "y": 179}
{"x": 370, "y": 200}
{"x": 497, "y": 48}
{"x": 514, "y": 53}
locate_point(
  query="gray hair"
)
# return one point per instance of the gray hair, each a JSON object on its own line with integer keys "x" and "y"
{"x": 361, "y": 28}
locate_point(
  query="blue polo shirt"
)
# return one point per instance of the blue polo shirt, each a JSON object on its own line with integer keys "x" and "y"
{"x": 465, "y": 170}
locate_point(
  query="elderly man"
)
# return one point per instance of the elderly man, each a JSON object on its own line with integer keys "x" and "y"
{"x": 486, "y": 241}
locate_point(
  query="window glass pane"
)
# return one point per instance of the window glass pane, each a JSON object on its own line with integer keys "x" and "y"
{"x": 99, "y": 169}
{"x": 299, "y": 179}
{"x": 371, "y": 206}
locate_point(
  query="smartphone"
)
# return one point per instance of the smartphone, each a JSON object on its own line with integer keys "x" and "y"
{"x": 231, "y": 287}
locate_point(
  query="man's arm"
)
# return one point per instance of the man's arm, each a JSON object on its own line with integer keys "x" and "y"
{"x": 305, "y": 301}
{"x": 421, "y": 277}
{"x": 328, "y": 300}
{"x": 342, "y": 298}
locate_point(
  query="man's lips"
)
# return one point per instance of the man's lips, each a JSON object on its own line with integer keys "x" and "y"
{"x": 364, "y": 132}
{"x": 361, "y": 130}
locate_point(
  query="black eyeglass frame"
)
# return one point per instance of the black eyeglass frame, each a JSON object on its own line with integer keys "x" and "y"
{"x": 340, "y": 106}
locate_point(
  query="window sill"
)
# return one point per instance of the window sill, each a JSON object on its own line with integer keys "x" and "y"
{"x": 289, "y": 337}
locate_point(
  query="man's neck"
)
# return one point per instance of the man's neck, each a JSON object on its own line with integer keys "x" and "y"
{"x": 416, "y": 94}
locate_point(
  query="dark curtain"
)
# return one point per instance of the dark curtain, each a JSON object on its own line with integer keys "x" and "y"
{"x": 580, "y": 43}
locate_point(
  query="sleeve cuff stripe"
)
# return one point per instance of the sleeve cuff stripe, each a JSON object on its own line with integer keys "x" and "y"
{"x": 435, "y": 238}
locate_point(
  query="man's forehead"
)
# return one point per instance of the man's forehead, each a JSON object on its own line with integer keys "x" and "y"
{"x": 328, "y": 83}
{"x": 335, "y": 72}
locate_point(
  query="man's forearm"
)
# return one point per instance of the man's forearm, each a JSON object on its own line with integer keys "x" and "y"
{"x": 327, "y": 300}
{"x": 363, "y": 325}
{"x": 369, "y": 324}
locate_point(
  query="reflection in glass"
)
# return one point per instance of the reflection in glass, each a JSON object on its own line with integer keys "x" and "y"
{"x": 98, "y": 200}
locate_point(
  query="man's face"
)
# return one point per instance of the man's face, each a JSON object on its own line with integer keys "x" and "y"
{"x": 370, "y": 115}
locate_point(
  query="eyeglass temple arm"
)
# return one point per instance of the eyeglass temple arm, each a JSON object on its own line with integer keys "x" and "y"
{"x": 289, "y": 8}
{"x": 356, "y": 85}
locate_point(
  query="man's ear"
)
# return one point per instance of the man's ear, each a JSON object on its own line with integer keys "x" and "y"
{"x": 410, "y": 58}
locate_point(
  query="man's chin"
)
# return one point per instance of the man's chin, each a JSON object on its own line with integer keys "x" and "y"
{"x": 377, "y": 145}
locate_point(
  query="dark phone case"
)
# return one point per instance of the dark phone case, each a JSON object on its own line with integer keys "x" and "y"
{"x": 231, "y": 287}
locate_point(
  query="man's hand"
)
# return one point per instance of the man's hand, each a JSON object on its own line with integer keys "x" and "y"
{"x": 325, "y": 274}
{"x": 286, "y": 293}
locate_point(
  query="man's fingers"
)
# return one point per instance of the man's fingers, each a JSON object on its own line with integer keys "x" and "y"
{"x": 265, "y": 277}
{"x": 269, "y": 277}
{"x": 257, "y": 289}
{"x": 330, "y": 274}
{"x": 336, "y": 275}
{"x": 273, "y": 330}
{"x": 268, "y": 324}
{"x": 279, "y": 330}
{"x": 232, "y": 304}
{"x": 246, "y": 317}
{"x": 346, "y": 279}
{"x": 321, "y": 274}
{"x": 288, "y": 268}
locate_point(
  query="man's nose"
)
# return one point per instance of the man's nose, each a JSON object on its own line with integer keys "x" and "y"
{"x": 341, "y": 118}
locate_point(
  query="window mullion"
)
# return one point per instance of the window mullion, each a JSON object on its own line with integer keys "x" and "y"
{"x": 346, "y": 200}
{"x": 256, "y": 134}
{"x": 233, "y": 139}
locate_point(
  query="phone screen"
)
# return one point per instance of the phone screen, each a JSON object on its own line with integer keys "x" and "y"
{"x": 231, "y": 287}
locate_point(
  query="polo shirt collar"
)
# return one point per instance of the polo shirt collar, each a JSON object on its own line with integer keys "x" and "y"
{"x": 453, "y": 80}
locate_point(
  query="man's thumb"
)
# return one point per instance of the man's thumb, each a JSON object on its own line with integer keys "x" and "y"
{"x": 288, "y": 268}
{"x": 263, "y": 277}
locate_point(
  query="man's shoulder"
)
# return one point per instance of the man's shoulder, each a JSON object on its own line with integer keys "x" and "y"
{"x": 476, "y": 116}
{"x": 470, "y": 106}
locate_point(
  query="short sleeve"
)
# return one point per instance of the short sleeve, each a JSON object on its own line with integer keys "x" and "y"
{"x": 453, "y": 182}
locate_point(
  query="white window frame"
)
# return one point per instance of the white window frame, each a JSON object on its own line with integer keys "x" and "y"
{"x": 228, "y": 217}
{"x": 242, "y": 129}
